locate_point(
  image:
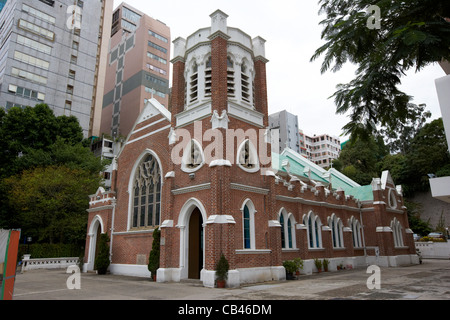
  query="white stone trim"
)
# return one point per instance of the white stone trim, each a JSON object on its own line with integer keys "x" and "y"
{"x": 189, "y": 189}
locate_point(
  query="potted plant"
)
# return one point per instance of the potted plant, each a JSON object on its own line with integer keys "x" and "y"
{"x": 340, "y": 266}
{"x": 299, "y": 263}
{"x": 318, "y": 264}
{"x": 153, "y": 259}
{"x": 325, "y": 263}
{"x": 222, "y": 267}
{"x": 291, "y": 267}
{"x": 102, "y": 261}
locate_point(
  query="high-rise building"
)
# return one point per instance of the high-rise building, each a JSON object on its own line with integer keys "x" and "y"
{"x": 287, "y": 124}
{"x": 138, "y": 68}
{"x": 321, "y": 150}
{"x": 50, "y": 53}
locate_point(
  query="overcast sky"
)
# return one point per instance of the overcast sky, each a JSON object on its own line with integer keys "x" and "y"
{"x": 291, "y": 29}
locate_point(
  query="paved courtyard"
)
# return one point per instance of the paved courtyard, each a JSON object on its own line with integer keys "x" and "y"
{"x": 428, "y": 281}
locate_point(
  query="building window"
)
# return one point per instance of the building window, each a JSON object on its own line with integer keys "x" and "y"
{"x": 69, "y": 89}
{"x": 75, "y": 45}
{"x": 246, "y": 228}
{"x": 37, "y": 13}
{"x": 147, "y": 194}
{"x": 31, "y": 27}
{"x": 208, "y": 78}
{"x": 157, "y": 36}
{"x": 287, "y": 223}
{"x": 72, "y": 74}
{"x": 26, "y": 93}
{"x": 50, "y": 3}
{"x": 336, "y": 227}
{"x": 245, "y": 83}
{"x": 194, "y": 83}
{"x": 31, "y": 60}
{"x": 33, "y": 44}
{"x": 313, "y": 227}
{"x": 130, "y": 15}
{"x": 397, "y": 232}
{"x": 157, "y": 58}
{"x": 29, "y": 76}
{"x": 230, "y": 77}
{"x": 156, "y": 69}
{"x": 128, "y": 26}
{"x": 68, "y": 105}
{"x": 248, "y": 157}
{"x": 392, "y": 199}
{"x": 193, "y": 157}
{"x": 248, "y": 224}
{"x": 356, "y": 233}
{"x": 155, "y": 46}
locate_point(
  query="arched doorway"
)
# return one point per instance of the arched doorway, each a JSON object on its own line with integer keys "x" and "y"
{"x": 192, "y": 238}
{"x": 96, "y": 228}
{"x": 195, "y": 258}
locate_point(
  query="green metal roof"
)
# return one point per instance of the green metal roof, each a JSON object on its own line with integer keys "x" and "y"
{"x": 296, "y": 168}
{"x": 298, "y": 163}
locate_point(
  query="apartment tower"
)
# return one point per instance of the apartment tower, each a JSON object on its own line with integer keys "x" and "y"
{"x": 138, "y": 68}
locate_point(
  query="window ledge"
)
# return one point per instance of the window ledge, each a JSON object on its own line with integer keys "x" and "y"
{"x": 253, "y": 251}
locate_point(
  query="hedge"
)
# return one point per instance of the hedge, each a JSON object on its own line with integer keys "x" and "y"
{"x": 46, "y": 250}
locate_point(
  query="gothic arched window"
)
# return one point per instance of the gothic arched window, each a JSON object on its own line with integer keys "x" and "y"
{"x": 336, "y": 231}
{"x": 313, "y": 227}
{"x": 356, "y": 232}
{"x": 147, "y": 194}
{"x": 193, "y": 157}
{"x": 397, "y": 232}
{"x": 248, "y": 157}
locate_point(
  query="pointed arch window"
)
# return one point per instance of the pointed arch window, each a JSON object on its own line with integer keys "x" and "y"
{"x": 397, "y": 232}
{"x": 208, "y": 76}
{"x": 193, "y": 157}
{"x": 248, "y": 224}
{"x": 245, "y": 84}
{"x": 248, "y": 157}
{"x": 336, "y": 231}
{"x": 355, "y": 225}
{"x": 230, "y": 77}
{"x": 287, "y": 223}
{"x": 147, "y": 194}
{"x": 313, "y": 227}
{"x": 194, "y": 83}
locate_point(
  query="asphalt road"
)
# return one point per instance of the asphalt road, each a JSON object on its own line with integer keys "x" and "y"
{"x": 428, "y": 281}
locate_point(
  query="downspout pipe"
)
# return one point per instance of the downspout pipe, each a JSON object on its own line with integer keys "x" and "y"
{"x": 362, "y": 228}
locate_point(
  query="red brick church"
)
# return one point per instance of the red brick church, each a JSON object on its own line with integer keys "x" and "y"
{"x": 205, "y": 175}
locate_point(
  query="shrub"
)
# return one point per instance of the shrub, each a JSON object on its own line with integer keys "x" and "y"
{"x": 153, "y": 259}
{"x": 102, "y": 261}
{"x": 222, "y": 267}
{"x": 290, "y": 266}
{"x": 318, "y": 264}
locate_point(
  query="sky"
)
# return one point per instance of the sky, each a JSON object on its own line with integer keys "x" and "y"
{"x": 292, "y": 33}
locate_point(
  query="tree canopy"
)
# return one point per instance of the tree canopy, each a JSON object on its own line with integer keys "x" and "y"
{"x": 46, "y": 174}
{"x": 412, "y": 35}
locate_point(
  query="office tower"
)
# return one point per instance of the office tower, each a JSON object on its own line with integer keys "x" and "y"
{"x": 138, "y": 69}
{"x": 287, "y": 124}
{"x": 50, "y": 54}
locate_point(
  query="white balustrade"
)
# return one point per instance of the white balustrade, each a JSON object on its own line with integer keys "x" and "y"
{"x": 47, "y": 263}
